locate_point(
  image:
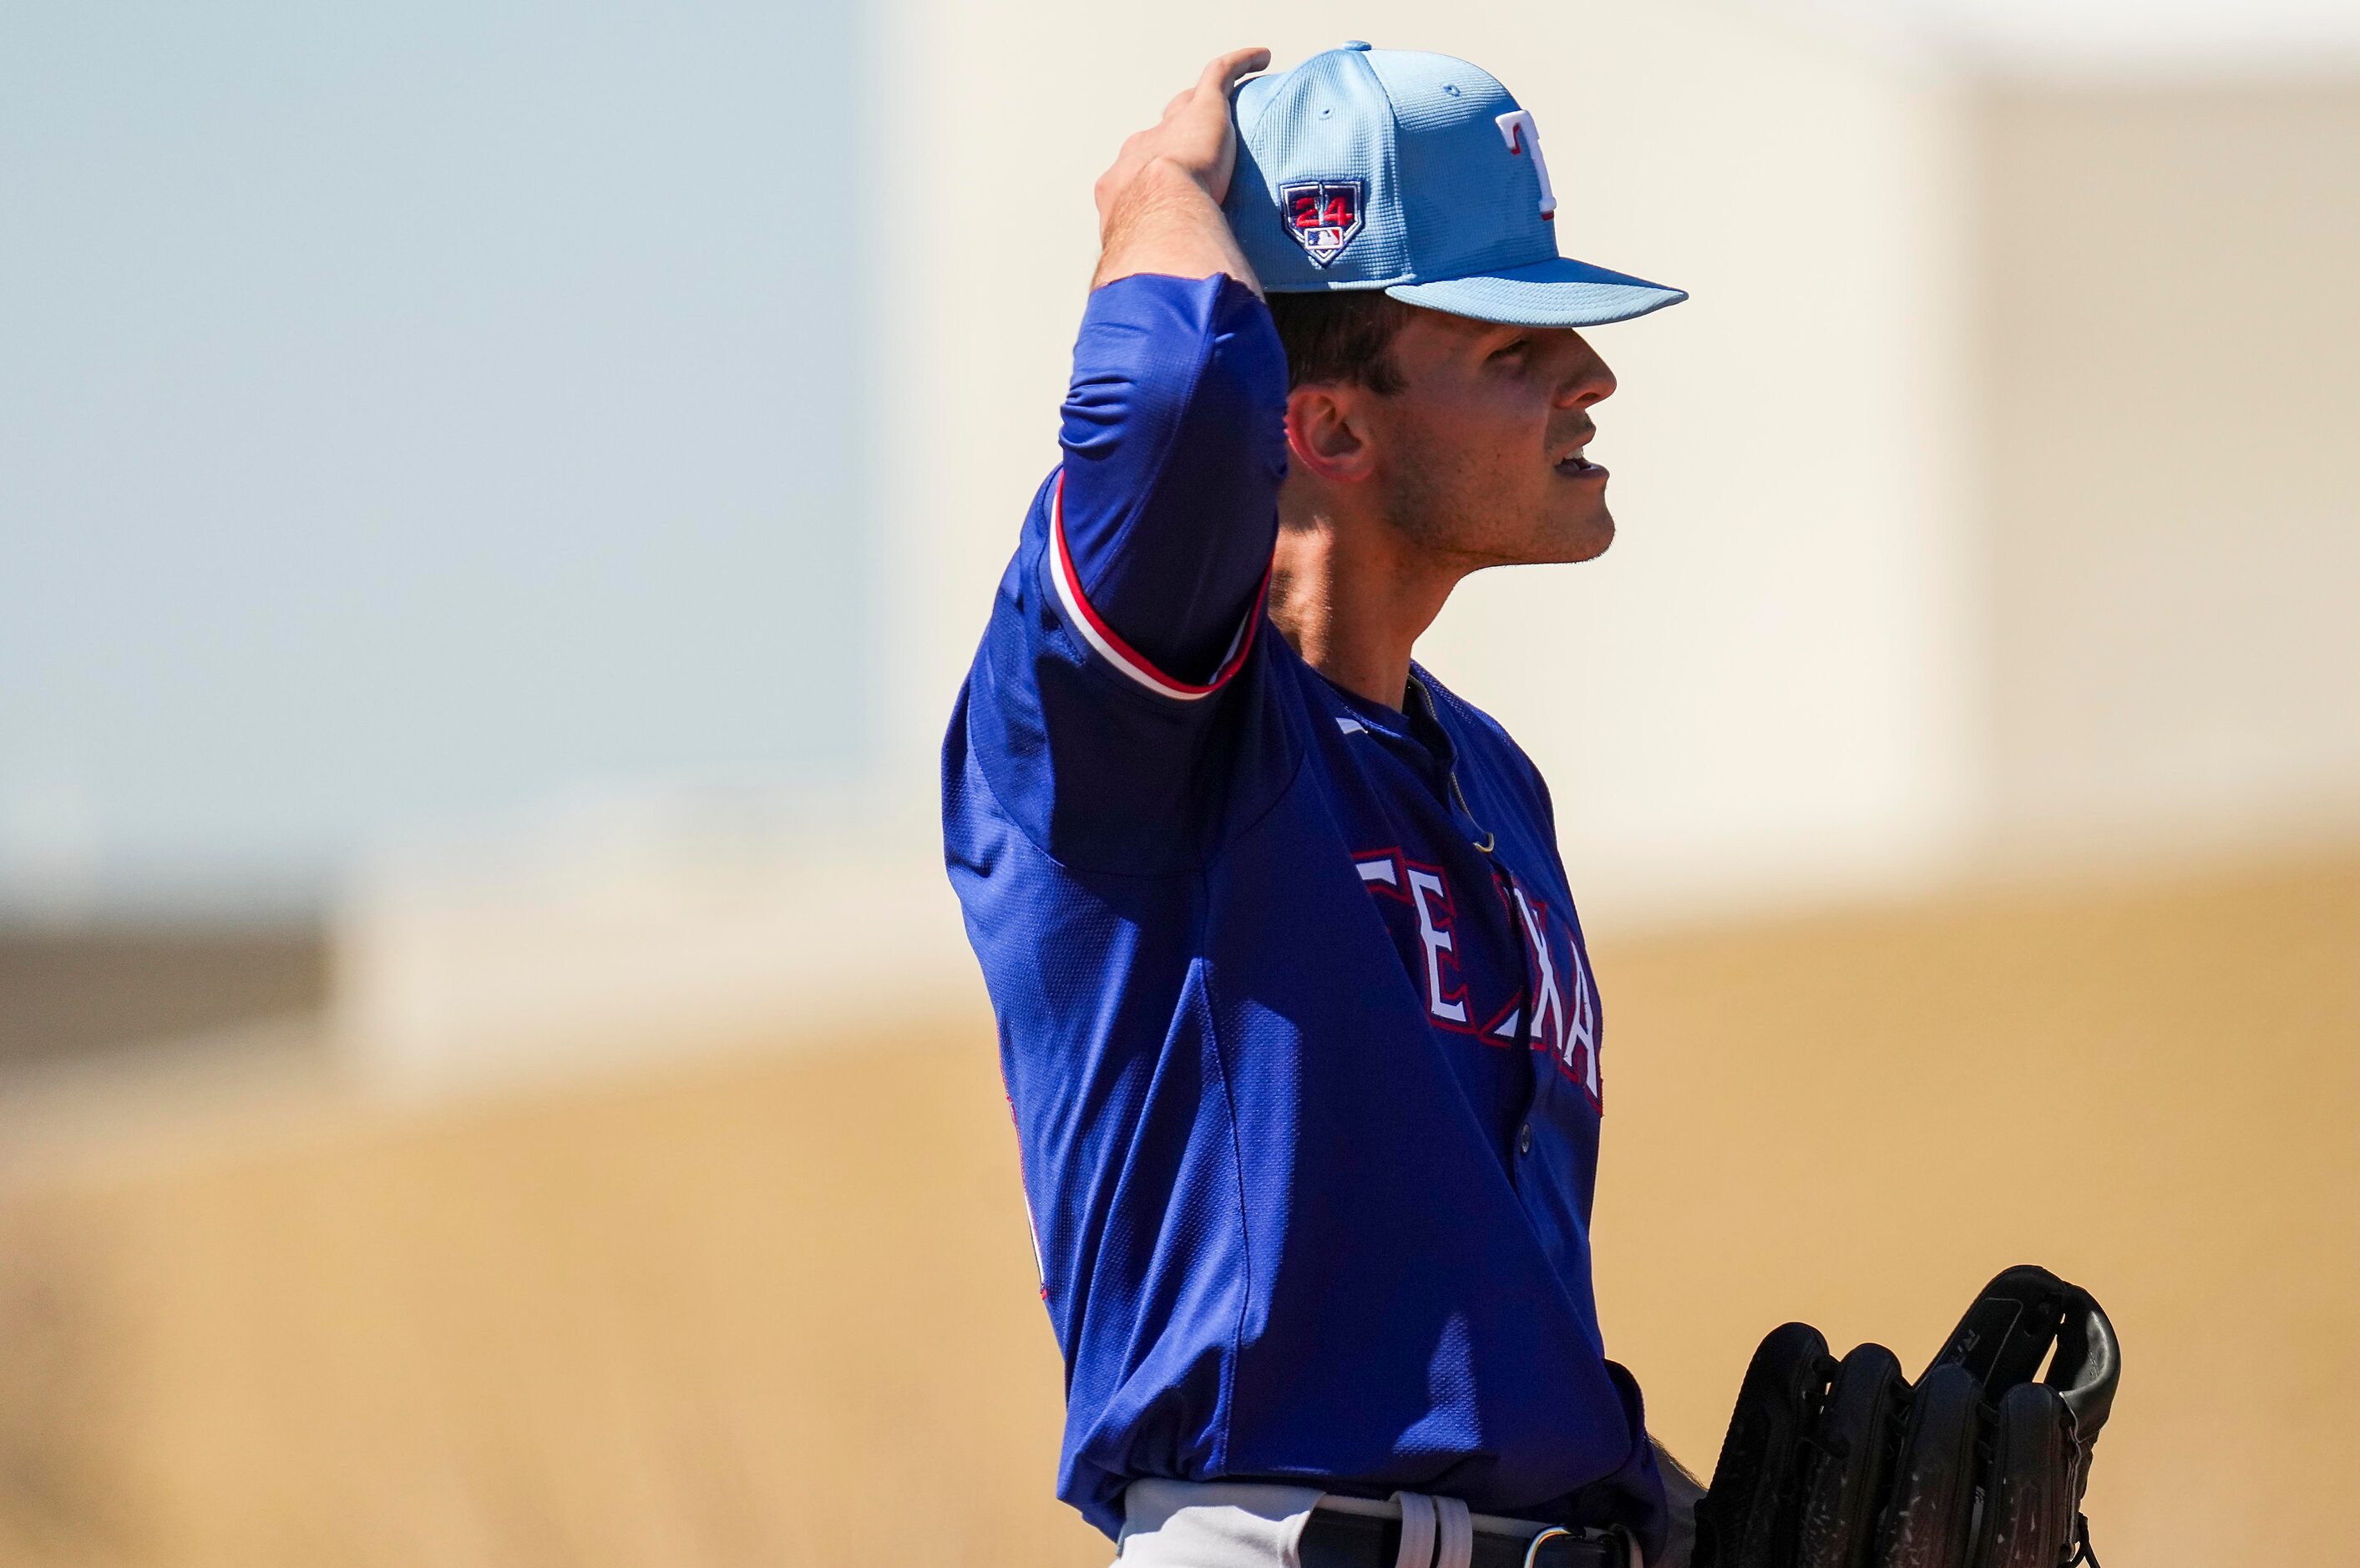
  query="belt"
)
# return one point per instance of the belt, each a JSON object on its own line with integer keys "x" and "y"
{"x": 1343, "y": 1533}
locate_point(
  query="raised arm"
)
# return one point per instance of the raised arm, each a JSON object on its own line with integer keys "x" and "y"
{"x": 1174, "y": 427}
{"x": 1096, "y": 713}
{"x": 1160, "y": 204}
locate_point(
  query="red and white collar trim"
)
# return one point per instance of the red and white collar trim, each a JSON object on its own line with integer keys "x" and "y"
{"x": 1110, "y": 646}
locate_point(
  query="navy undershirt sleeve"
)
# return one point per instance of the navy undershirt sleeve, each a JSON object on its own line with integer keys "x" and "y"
{"x": 1174, "y": 433}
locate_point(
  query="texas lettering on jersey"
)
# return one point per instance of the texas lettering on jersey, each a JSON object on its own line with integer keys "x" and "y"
{"x": 1421, "y": 911}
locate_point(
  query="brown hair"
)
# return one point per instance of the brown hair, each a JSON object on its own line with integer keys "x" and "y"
{"x": 1342, "y": 335}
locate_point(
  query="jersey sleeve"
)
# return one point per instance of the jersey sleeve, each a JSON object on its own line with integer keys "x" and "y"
{"x": 1166, "y": 506}
{"x": 1119, "y": 712}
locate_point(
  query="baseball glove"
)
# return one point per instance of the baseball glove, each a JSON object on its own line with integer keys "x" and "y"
{"x": 1847, "y": 1463}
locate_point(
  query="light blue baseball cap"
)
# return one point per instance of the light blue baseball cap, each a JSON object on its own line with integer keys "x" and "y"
{"x": 1417, "y": 174}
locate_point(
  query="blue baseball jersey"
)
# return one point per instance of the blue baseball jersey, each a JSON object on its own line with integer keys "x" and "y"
{"x": 1295, "y": 1012}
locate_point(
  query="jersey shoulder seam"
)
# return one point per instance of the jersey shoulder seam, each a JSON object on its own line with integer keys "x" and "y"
{"x": 1000, "y": 809}
{"x": 1131, "y": 691}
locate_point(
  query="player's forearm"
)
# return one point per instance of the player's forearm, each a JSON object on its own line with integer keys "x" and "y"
{"x": 1163, "y": 219}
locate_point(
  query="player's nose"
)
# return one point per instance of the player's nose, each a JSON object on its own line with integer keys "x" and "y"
{"x": 1586, "y": 379}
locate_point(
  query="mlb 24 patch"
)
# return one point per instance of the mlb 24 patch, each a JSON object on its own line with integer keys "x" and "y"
{"x": 1322, "y": 214}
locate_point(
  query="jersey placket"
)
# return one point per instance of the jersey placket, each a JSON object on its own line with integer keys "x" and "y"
{"x": 1504, "y": 886}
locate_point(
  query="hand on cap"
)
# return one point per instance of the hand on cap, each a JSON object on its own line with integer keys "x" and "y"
{"x": 1196, "y": 135}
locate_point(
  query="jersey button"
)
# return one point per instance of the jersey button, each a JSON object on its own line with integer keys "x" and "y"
{"x": 1525, "y": 1139}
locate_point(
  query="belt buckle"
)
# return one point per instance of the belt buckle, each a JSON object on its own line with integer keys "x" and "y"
{"x": 1532, "y": 1552}
{"x": 1616, "y": 1532}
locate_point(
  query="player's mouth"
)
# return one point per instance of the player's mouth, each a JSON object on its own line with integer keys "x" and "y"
{"x": 1574, "y": 466}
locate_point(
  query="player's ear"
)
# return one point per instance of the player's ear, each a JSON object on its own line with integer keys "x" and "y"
{"x": 1324, "y": 435}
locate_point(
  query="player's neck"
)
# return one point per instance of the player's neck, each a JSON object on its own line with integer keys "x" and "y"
{"x": 1353, "y": 597}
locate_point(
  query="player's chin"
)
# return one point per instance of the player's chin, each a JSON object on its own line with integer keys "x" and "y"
{"x": 1580, "y": 525}
{"x": 1583, "y": 535}
{"x": 1601, "y": 532}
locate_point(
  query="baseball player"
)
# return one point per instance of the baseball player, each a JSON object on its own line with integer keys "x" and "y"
{"x": 1295, "y": 1014}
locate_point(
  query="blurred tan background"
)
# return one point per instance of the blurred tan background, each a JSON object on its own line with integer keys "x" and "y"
{"x": 1959, "y": 756}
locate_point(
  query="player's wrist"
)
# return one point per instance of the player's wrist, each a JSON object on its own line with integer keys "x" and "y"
{"x": 1164, "y": 220}
{"x": 1162, "y": 181}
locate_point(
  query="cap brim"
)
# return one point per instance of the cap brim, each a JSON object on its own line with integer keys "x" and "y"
{"x": 1560, "y": 293}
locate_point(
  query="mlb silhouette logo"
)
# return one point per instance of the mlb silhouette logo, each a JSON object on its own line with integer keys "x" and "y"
{"x": 1322, "y": 214}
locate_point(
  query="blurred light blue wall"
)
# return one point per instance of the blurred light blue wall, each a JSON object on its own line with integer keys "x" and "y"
{"x": 410, "y": 414}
